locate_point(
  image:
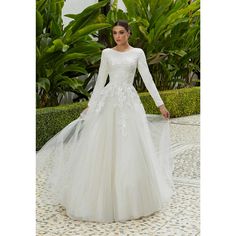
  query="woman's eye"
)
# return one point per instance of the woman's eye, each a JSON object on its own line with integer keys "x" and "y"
{"x": 122, "y": 32}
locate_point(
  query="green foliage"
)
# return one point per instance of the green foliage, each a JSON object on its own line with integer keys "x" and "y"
{"x": 50, "y": 120}
{"x": 63, "y": 55}
{"x": 169, "y": 33}
{"x": 179, "y": 102}
{"x": 167, "y": 30}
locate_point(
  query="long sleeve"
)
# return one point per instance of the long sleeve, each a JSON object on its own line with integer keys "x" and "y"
{"x": 147, "y": 79}
{"x": 101, "y": 79}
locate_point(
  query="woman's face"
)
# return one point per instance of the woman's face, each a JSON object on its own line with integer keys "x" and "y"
{"x": 120, "y": 35}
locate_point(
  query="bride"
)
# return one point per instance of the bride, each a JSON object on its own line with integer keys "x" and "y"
{"x": 106, "y": 165}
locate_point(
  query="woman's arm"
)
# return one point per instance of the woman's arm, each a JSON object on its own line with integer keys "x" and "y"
{"x": 101, "y": 79}
{"x": 147, "y": 79}
{"x": 150, "y": 85}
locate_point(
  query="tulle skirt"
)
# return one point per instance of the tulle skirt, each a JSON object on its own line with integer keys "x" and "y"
{"x": 113, "y": 164}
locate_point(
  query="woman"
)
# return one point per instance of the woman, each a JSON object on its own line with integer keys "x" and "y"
{"x": 106, "y": 166}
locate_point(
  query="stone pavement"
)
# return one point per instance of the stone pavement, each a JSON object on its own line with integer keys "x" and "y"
{"x": 181, "y": 218}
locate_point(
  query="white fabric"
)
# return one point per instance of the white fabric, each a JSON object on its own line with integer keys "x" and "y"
{"x": 114, "y": 162}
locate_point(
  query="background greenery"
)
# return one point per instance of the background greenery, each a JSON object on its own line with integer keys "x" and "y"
{"x": 169, "y": 33}
{"x": 63, "y": 54}
{"x": 68, "y": 57}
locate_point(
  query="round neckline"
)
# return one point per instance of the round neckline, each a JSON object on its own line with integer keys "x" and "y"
{"x": 122, "y": 51}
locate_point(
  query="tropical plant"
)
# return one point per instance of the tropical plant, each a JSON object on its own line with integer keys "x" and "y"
{"x": 64, "y": 54}
{"x": 169, "y": 33}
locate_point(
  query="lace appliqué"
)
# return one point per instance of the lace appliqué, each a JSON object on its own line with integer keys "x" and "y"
{"x": 123, "y": 97}
{"x": 123, "y": 124}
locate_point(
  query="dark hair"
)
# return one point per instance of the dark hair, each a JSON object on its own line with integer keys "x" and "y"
{"x": 123, "y": 23}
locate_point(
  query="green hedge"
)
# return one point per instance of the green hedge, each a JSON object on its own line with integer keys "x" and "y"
{"x": 179, "y": 102}
{"x": 50, "y": 120}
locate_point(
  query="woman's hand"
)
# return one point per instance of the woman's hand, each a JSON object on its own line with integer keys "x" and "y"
{"x": 164, "y": 111}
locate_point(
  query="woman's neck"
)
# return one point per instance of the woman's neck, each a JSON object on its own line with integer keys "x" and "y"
{"x": 122, "y": 47}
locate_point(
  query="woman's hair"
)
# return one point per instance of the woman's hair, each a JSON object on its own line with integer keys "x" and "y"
{"x": 123, "y": 23}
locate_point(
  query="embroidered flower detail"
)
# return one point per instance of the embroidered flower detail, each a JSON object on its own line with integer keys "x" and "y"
{"x": 122, "y": 96}
{"x": 123, "y": 124}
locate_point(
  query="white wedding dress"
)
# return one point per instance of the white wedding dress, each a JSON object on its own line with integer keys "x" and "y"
{"x": 113, "y": 163}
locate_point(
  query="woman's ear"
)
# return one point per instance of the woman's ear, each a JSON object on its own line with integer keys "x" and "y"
{"x": 129, "y": 33}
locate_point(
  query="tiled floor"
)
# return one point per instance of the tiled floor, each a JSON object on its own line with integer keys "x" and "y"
{"x": 181, "y": 218}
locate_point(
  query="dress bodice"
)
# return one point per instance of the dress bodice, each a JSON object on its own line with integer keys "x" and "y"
{"x": 122, "y": 65}
{"x": 121, "y": 68}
